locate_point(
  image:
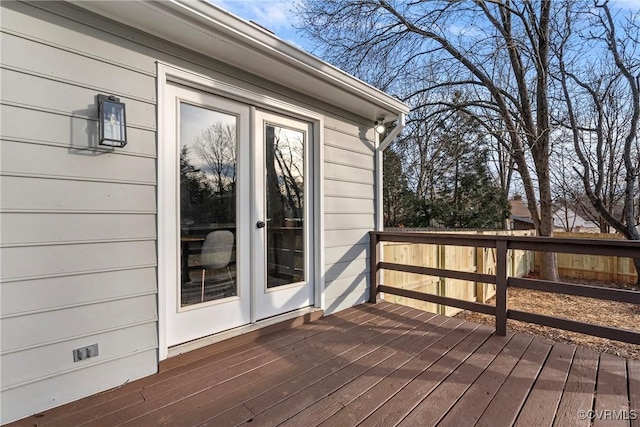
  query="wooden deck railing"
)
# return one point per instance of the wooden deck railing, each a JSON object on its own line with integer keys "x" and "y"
{"x": 502, "y": 244}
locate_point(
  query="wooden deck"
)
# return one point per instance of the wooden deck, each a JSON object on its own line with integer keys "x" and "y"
{"x": 381, "y": 365}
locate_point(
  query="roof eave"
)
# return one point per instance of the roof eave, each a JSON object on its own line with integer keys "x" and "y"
{"x": 210, "y": 30}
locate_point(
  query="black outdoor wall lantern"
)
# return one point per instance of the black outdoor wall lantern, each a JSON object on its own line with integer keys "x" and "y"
{"x": 112, "y": 122}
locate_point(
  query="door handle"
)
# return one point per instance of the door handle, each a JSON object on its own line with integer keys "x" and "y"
{"x": 260, "y": 224}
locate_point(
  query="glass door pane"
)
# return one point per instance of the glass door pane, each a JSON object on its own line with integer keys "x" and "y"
{"x": 285, "y": 222}
{"x": 208, "y": 152}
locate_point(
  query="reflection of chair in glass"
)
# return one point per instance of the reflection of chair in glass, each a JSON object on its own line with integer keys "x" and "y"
{"x": 216, "y": 253}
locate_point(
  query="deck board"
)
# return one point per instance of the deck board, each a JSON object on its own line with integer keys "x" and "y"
{"x": 371, "y": 365}
{"x": 437, "y": 403}
{"x": 579, "y": 392}
{"x": 280, "y": 403}
{"x": 633, "y": 369}
{"x": 238, "y": 374}
{"x": 133, "y": 392}
{"x": 447, "y": 334}
{"x": 506, "y": 404}
{"x": 212, "y": 407}
{"x": 330, "y": 404}
{"x": 474, "y": 402}
{"x": 442, "y": 360}
{"x": 542, "y": 403}
{"x": 611, "y": 393}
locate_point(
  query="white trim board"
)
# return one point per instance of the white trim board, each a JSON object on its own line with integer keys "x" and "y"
{"x": 212, "y": 339}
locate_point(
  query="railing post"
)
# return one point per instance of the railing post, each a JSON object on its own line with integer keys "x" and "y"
{"x": 501, "y": 287}
{"x": 374, "y": 272}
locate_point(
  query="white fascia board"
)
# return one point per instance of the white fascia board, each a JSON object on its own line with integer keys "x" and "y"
{"x": 210, "y": 30}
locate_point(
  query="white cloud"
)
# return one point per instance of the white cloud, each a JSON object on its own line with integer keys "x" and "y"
{"x": 627, "y": 4}
{"x": 464, "y": 31}
{"x": 273, "y": 15}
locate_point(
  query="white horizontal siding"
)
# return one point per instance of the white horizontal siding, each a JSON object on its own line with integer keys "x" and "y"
{"x": 348, "y": 205}
{"x": 334, "y": 254}
{"x": 26, "y": 90}
{"x": 78, "y": 220}
{"x": 40, "y": 228}
{"x": 79, "y": 383}
{"x": 76, "y": 134}
{"x": 59, "y": 31}
{"x": 348, "y": 173}
{"x": 360, "y": 136}
{"x": 348, "y": 268}
{"x": 62, "y": 65}
{"x": 337, "y": 221}
{"x": 346, "y": 292}
{"x": 50, "y": 327}
{"x": 344, "y": 188}
{"x": 57, "y": 358}
{"x": 53, "y": 161}
{"x": 347, "y": 237}
{"x": 349, "y": 213}
{"x": 57, "y": 293}
{"x": 21, "y": 263}
{"x": 36, "y": 194}
{"x": 347, "y": 157}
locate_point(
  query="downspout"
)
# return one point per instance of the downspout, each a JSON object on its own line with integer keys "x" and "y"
{"x": 379, "y": 156}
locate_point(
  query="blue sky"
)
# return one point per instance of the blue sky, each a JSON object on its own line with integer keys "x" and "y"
{"x": 277, "y": 15}
{"x": 274, "y": 15}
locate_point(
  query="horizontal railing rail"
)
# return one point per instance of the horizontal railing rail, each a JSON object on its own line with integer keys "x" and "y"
{"x": 502, "y": 244}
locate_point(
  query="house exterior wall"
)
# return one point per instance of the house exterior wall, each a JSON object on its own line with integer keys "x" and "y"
{"x": 78, "y": 225}
{"x": 349, "y": 214}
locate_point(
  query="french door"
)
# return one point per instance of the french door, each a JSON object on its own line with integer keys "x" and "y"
{"x": 240, "y": 246}
{"x": 208, "y": 148}
{"x": 282, "y": 215}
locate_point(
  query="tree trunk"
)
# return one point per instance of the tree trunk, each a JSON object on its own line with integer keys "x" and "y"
{"x": 548, "y": 260}
{"x": 549, "y": 266}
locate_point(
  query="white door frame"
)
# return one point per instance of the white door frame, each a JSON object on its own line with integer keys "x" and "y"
{"x": 253, "y": 97}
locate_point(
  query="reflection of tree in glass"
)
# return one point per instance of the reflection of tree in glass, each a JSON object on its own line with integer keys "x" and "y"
{"x": 285, "y": 171}
{"x": 285, "y": 210}
{"x": 194, "y": 187}
{"x": 207, "y": 192}
{"x": 216, "y": 147}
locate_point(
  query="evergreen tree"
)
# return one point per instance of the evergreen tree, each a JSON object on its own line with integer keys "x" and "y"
{"x": 473, "y": 199}
{"x": 398, "y": 199}
{"x": 460, "y": 191}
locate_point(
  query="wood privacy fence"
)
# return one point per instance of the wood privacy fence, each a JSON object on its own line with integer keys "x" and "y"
{"x": 500, "y": 278}
{"x": 593, "y": 267}
{"x": 459, "y": 258}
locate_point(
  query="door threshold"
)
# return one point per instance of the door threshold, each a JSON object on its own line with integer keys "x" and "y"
{"x": 246, "y": 333}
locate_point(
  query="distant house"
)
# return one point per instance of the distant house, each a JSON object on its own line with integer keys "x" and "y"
{"x": 239, "y": 183}
{"x": 520, "y": 216}
{"x": 581, "y": 216}
{"x": 565, "y": 219}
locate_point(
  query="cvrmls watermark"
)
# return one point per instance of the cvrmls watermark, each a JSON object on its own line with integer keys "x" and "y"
{"x": 608, "y": 414}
